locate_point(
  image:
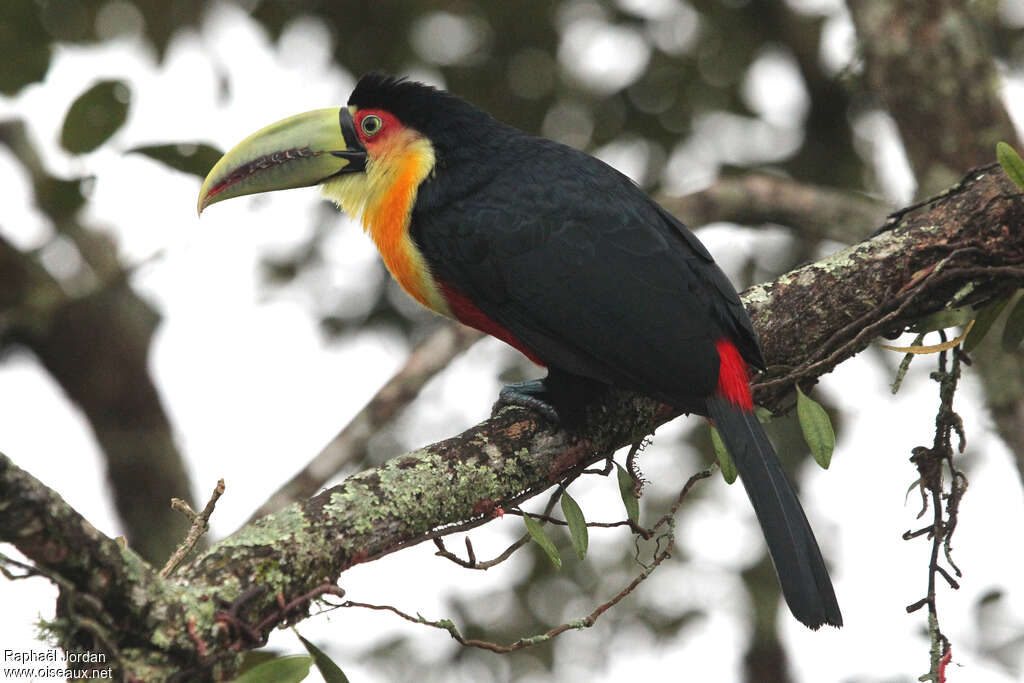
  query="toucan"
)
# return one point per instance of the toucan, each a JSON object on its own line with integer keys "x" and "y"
{"x": 553, "y": 252}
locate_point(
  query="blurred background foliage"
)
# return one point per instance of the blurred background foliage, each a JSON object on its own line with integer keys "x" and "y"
{"x": 671, "y": 91}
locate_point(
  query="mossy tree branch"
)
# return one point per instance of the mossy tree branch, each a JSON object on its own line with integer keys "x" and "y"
{"x": 965, "y": 246}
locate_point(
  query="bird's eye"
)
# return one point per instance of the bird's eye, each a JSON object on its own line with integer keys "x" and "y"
{"x": 371, "y": 124}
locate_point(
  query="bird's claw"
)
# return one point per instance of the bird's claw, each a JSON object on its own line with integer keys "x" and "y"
{"x": 531, "y": 395}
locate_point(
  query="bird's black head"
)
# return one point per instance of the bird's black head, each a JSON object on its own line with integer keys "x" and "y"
{"x": 449, "y": 122}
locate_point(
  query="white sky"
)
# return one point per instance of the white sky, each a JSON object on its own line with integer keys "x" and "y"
{"x": 254, "y": 390}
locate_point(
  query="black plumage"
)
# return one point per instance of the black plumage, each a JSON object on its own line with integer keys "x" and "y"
{"x": 589, "y": 273}
{"x": 598, "y": 282}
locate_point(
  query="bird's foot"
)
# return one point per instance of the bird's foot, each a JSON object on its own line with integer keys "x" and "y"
{"x": 532, "y": 394}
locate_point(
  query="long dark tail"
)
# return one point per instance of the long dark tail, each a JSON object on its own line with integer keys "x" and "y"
{"x": 798, "y": 562}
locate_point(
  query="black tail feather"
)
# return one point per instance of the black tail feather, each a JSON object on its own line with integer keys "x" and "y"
{"x": 798, "y": 562}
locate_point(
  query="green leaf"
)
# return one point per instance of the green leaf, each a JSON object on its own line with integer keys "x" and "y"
{"x": 26, "y": 44}
{"x": 289, "y": 669}
{"x": 1011, "y": 163}
{"x": 253, "y": 658}
{"x": 536, "y": 532}
{"x": 944, "y": 319}
{"x": 331, "y": 672}
{"x": 982, "y": 322}
{"x": 627, "y": 489}
{"x": 577, "y": 524}
{"x": 1013, "y": 333}
{"x": 763, "y": 415}
{"x": 817, "y": 428}
{"x": 189, "y": 157}
{"x": 95, "y": 116}
{"x": 725, "y": 462}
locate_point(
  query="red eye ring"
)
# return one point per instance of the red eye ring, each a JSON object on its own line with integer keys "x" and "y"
{"x": 375, "y": 125}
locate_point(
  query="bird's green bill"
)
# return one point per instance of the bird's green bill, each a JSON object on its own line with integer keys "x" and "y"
{"x": 299, "y": 151}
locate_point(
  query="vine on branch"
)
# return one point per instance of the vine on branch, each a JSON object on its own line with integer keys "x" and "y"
{"x": 931, "y": 463}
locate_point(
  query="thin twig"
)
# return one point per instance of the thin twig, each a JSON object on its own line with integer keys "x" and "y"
{"x": 661, "y": 554}
{"x": 200, "y": 524}
{"x": 29, "y": 570}
{"x": 585, "y": 622}
{"x": 472, "y": 563}
{"x": 561, "y": 522}
{"x": 609, "y": 464}
{"x": 901, "y": 372}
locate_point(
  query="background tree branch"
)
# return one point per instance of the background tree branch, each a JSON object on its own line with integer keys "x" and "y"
{"x": 965, "y": 246}
{"x": 929, "y": 65}
{"x": 93, "y": 336}
{"x": 813, "y": 211}
{"x": 431, "y": 356}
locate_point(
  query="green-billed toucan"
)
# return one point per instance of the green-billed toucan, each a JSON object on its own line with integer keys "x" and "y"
{"x": 553, "y": 252}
